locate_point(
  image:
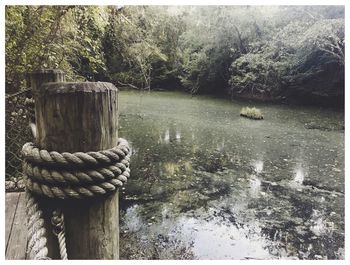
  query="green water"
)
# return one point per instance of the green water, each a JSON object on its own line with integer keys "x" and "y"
{"x": 208, "y": 184}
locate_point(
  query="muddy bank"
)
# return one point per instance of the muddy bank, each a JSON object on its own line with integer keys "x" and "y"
{"x": 296, "y": 98}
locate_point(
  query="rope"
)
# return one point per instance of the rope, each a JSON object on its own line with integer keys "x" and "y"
{"x": 37, "y": 242}
{"x": 45, "y": 177}
{"x": 68, "y": 176}
{"x": 57, "y": 222}
{"x": 78, "y": 192}
{"x": 54, "y": 159}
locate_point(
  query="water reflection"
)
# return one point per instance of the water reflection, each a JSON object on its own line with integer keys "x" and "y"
{"x": 319, "y": 225}
{"x": 298, "y": 178}
{"x": 223, "y": 181}
{"x": 178, "y": 136}
{"x": 258, "y": 166}
{"x": 255, "y": 186}
{"x": 169, "y": 135}
{"x": 205, "y": 234}
{"x": 166, "y": 136}
{"x": 132, "y": 219}
{"x": 243, "y": 244}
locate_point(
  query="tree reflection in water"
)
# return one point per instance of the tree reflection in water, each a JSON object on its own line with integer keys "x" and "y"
{"x": 217, "y": 186}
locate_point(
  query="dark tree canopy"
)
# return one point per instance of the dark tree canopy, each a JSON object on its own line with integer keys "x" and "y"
{"x": 259, "y": 52}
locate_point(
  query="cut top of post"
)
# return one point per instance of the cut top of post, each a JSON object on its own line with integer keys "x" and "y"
{"x": 76, "y": 117}
{"x": 42, "y": 76}
{"x": 53, "y": 88}
{"x": 47, "y": 71}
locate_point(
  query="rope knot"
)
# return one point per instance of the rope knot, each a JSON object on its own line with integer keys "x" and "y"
{"x": 57, "y": 221}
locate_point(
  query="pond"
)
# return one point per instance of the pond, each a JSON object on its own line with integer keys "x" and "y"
{"x": 208, "y": 184}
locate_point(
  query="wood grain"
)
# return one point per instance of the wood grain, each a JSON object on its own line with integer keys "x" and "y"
{"x": 10, "y": 211}
{"x": 16, "y": 247}
{"x": 72, "y": 117}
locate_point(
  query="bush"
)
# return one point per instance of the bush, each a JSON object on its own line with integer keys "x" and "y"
{"x": 251, "y": 113}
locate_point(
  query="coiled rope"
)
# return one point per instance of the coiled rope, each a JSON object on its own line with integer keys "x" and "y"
{"x": 54, "y": 159}
{"x": 36, "y": 247}
{"x": 68, "y": 176}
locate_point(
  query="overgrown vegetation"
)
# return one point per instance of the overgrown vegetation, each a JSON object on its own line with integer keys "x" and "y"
{"x": 255, "y": 52}
{"x": 251, "y": 113}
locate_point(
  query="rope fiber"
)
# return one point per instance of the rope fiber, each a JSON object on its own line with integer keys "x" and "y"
{"x": 57, "y": 222}
{"x": 67, "y": 176}
{"x": 37, "y": 242}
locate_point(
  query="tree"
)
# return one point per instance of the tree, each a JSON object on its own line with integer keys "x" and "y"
{"x": 34, "y": 38}
{"x": 264, "y": 52}
{"x": 140, "y": 45}
{"x": 87, "y": 24}
{"x": 302, "y": 53}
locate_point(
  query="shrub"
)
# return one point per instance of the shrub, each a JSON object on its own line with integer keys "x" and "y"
{"x": 251, "y": 113}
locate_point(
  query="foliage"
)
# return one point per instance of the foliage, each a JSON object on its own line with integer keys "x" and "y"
{"x": 85, "y": 41}
{"x": 251, "y": 113}
{"x": 141, "y": 45}
{"x": 34, "y": 37}
{"x": 255, "y": 73}
{"x": 295, "y": 59}
{"x": 206, "y": 49}
{"x": 265, "y": 52}
{"x": 65, "y": 37}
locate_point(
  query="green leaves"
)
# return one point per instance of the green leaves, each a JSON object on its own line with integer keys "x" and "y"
{"x": 139, "y": 43}
{"x": 212, "y": 49}
{"x": 52, "y": 37}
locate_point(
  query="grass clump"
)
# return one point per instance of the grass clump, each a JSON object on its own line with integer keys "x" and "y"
{"x": 251, "y": 113}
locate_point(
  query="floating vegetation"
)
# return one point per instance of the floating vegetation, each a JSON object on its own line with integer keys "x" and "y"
{"x": 251, "y": 113}
{"x": 324, "y": 126}
{"x": 280, "y": 199}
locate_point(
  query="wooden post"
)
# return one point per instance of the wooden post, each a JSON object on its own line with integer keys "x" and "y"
{"x": 39, "y": 77}
{"x": 72, "y": 117}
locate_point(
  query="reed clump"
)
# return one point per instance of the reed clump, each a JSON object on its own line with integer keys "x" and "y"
{"x": 251, "y": 113}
